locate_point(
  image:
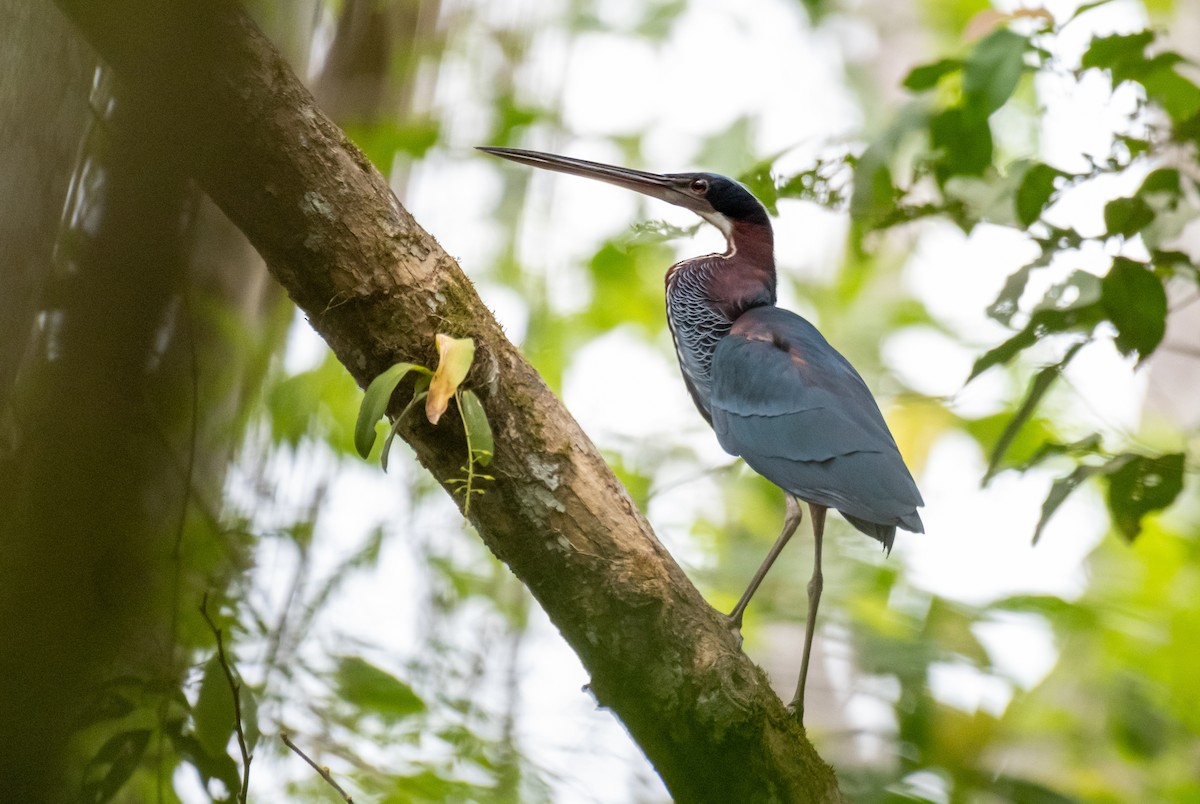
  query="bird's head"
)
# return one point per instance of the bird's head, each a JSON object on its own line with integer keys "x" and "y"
{"x": 717, "y": 199}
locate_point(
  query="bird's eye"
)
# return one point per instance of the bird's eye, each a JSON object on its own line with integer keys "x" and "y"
{"x": 700, "y": 186}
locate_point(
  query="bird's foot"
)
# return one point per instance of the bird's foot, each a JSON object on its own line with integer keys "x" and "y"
{"x": 734, "y": 624}
{"x": 796, "y": 710}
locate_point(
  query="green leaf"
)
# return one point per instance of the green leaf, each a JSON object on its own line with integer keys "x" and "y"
{"x": 874, "y": 194}
{"x": 1003, "y": 353}
{"x": 1088, "y": 7}
{"x": 1006, "y": 787}
{"x": 420, "y": 391}
{"x": 432, "y": 785}
{"x": 1177, "y": 95}
{"x": 1127, "y": 216}
{"x": 209, "y": 766}
{"x": 1007, "y": 303}
{"x": 1163, "y": 181}
{"x": 660, "y": 18}
{"x": 1141, "y": 485}
{"x": 1174, "y": 263}
{"x": 1033, "y": 195}
{"x": 108, "y": 705}
{"x": 1136, "y": 146}
{"x": 1136, "y": 302}
{"x": 213, "y": 719}
{"x": 1069, "y": 616}
{"x": 381, "y": 141}
{"x": 760, "y": 181}
{"x": 963, "y": 140}
{"x": 1088, "y": 445}
{"x": 1030, "y": 438}
{"x": 926, "y": 76}
{"x": 1059, "y": 491}
{"x": 1080, "y": 289}
{"x": 1037, "y": 389}
{"x": 968, "y": 200}
{"x": 1123, "y": 54}
{"x": 1135, "y": 721}
{"x": 824, "y": 183}
{"x": 376, "y": 691}
{"x": 627, "y": 283}
{"x": 113, "y": 764}
{"x": 1041, "y": 323}
{"x": 250, "y": 727}
{"x": 375, "y": 404}
{"x": 1188, "y": 131}
{"x": 478, "y": 428}
{"x": 993, "y": 70}
{"x": 318, "y": 403}
{"x": 1137, "y": 485}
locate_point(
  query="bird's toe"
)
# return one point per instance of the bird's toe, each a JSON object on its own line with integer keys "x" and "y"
{"x": 734, "y": 624}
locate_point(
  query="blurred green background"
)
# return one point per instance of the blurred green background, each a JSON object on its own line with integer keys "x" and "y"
{"x": 990, "y": 210}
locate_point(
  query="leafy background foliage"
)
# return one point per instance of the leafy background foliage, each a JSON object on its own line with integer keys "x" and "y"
{"x": 365, "y": 621}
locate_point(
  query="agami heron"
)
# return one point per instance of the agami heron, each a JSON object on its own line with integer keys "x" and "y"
{"x": 774, "y": 390}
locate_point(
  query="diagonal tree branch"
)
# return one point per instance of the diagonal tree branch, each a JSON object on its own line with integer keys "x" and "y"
{"x": 377, "y": 287}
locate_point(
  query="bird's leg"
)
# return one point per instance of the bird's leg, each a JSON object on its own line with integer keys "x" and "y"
{"x": 792, "y": 521}
{"x": 814, "y": 599}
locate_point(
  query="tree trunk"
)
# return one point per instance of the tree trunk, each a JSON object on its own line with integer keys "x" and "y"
{"x": 377, "y": 288}
{"x": 133, "y": 321}
{"x": 91, "y": 493}
{"x": 45, "y": 73}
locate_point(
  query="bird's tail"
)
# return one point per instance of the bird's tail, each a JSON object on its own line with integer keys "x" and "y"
{"x": 885, "y": 534}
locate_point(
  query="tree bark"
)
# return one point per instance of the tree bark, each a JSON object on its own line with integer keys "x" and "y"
{"x": 119, "y": 304}
{"x": 377, "y": 288}
{"x": 45, "y": 74}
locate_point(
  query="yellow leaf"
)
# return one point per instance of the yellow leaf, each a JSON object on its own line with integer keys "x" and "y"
{"x": 990, "y": 19}
{"x": 984, "y": 23}
{"x": 454, "y": 361}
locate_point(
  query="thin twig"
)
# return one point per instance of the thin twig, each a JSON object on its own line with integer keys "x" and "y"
{"x": 321, "y": 769}
{"x": 235, "y": 687}
{"x": 193, "y": 446}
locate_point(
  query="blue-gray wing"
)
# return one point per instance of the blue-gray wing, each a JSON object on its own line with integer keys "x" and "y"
{"x": 801, "y": 416}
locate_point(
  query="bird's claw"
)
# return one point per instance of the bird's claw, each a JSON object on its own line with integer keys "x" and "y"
{"x": 735, "y": 628}
{"x": 796, "y": 710}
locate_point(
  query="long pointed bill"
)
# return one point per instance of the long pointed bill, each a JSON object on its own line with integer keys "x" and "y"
{"x": 672, "y": 189}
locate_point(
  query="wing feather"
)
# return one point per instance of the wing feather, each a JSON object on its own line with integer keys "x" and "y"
{"x": 801, "y": 416}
